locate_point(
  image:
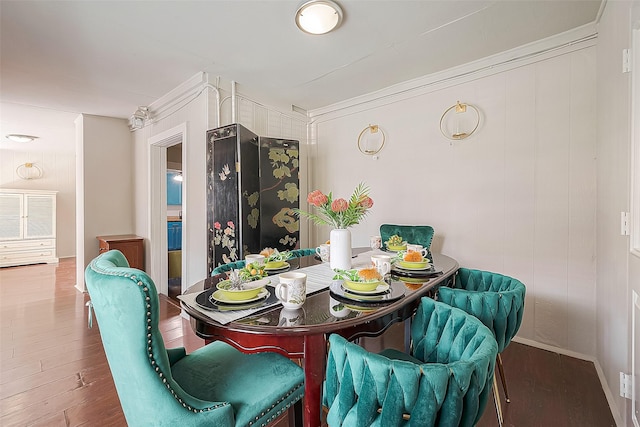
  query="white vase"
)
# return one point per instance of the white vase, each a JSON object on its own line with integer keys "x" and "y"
{"x": 340, "y": 249}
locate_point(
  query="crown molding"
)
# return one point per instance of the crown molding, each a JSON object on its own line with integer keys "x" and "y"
{"x": 576, "y": 39}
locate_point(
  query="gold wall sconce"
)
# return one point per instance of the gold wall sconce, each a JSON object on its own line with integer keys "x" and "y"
{"x": 459, "y": 121}
{"x": 371, "y": 140}
{"x": 29, "y": 171}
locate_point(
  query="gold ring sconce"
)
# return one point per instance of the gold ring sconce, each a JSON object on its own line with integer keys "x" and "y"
{"x": 371, "y": 140}
{"x": 29, "y": 171}
{"x": 459, "y": 121}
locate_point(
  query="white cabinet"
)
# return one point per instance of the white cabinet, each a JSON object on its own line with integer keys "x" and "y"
{"x": 27, "y": 227}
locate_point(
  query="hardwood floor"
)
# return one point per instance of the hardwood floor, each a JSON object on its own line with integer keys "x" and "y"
{"x": 53, "y": 371}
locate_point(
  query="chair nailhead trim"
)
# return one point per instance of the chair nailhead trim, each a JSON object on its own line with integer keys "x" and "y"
{"x": 152, "y": 360}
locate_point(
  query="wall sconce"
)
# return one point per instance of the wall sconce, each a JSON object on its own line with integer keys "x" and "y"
{"x": 459, "y": 121}
{"x": 29, "y": 171}
{"x": 371, "y": 140}
{"x": 139, "y": 118}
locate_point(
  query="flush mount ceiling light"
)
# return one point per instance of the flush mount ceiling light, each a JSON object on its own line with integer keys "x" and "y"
{"x": 318, "y": 16}
{"x": 15, "y": 137}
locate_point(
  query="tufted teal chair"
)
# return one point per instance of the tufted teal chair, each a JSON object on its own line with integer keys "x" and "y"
{"x": 415, "y": 234}
{"x": 215, "y": 385}
{"x": 296, "y": 253}
{"x": 445, "y": 382}
{"x": 497, "y": 300}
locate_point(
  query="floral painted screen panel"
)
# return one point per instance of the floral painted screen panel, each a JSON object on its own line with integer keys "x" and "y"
{"x": 279, "y": 193}
{"x": 252, "y": 189}
{"x": 223, "y": 204}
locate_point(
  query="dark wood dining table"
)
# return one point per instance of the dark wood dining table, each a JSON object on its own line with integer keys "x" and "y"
{"x": 323, "y": 313}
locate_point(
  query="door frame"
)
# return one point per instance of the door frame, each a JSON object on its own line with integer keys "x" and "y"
{"x": 158, "y": 242}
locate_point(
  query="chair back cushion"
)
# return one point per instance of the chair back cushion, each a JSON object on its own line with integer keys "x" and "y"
{"x": 125, "y": 302}
{"x": 495, "y": 299}
{"x": 364, "y": 389}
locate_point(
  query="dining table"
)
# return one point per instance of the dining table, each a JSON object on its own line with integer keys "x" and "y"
{"x": 302, "y": 334}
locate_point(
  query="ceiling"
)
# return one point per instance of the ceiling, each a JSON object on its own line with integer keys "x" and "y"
{"x": 108, "y": 57}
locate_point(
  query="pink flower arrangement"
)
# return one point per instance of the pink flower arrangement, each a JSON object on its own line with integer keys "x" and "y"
{"x": 339, "y": 213}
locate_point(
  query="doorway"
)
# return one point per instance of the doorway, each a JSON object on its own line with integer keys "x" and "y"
{"x": 174, "y": 219}
{"x": 159, "y": 154}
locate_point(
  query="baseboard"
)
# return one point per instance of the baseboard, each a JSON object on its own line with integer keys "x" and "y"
{"x": 603, "y": 382}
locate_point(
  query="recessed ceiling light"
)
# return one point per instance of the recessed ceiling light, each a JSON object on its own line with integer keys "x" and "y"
{"x": 15, "y": 137}
{"x": 318, "y": 16}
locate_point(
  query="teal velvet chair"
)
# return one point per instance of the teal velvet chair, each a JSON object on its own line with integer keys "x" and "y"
{"x": 415, "y": 234}
{"x": 296, "y": 253}
{"x": 444, "y": 382}
{"x": 215, "y": 385}
{"x": 495, "y": 299}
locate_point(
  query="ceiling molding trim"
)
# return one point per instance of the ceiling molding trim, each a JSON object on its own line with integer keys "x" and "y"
{"x": 177, "y": 97}
{"x": 576, "y": 39}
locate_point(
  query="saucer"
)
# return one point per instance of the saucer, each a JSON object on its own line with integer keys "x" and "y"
{"x": 381, "y": 289}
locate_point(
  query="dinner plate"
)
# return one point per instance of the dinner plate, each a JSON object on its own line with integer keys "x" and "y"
{"x": 204, "y": 300}
{"x": 381, "y": 289}
{"x": 286, "y": 266}
{"x": 220, "y": 297}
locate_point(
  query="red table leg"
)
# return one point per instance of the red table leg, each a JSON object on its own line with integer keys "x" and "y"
{"x": 314, "y": 360}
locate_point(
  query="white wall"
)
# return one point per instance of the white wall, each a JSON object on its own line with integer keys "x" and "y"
{"x": 53, "y": 152}
{"x": 517, "y": 198}
{"x": 105, "y": 187}
{"x": 618, "y": 270}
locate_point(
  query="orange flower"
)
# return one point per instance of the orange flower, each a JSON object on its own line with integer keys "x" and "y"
{"x": 317, "y": 198}
{"x": 366, "y": 202}
{"x": 369, "y": 274}
{"x": 339, "y": 205}
{"x": 413, "y": 256}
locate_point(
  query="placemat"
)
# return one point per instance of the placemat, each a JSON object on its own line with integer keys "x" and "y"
{"x": 319, "y": 277}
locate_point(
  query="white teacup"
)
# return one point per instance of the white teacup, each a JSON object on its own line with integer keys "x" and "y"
{"x": 292, "y": 290}
{"x": 291, "y": 317}
{"x": 254, "y": 258}
{"x": 417, "y": 248}
{"x": 323, "y": 252}
{"x": 382, "y": 263}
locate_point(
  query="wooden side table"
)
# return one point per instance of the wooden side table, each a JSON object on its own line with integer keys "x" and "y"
{"x": 131, "y": 246}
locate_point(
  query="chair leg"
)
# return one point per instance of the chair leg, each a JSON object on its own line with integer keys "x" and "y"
{"x": 496, "y": 399}
{"x": 504, "y": 380}
{"x": 294, "y": 414}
